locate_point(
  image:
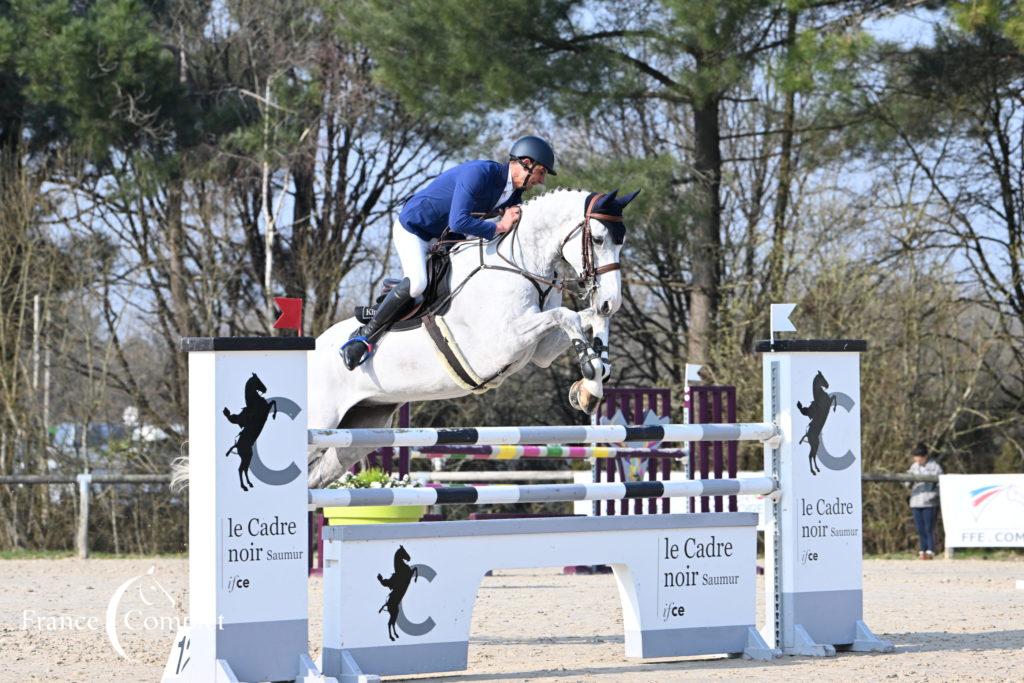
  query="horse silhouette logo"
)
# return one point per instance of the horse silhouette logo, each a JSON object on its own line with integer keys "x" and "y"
{"x": 251, "y": 419}
{"x": 398, "y": 584}
{"x": 817, "y": 412}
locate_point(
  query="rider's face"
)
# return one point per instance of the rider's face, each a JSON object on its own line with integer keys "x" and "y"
{"x": 537, "y": 177}
{"x": 533, "y": 178}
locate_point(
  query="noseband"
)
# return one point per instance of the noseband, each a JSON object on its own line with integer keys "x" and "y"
{"x": 588, "y": 280}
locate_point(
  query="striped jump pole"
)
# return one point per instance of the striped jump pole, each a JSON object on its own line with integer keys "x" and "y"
{"x": 545, "y": 451}
{"x": 494, "y": 436}
{"x": 539, "y": 493}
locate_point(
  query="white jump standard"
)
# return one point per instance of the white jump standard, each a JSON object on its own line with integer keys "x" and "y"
{"x": 398, "y": 598}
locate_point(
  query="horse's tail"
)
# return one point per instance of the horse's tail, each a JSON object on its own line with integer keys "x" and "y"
{"x": 234, "y": 446}
{"x": 179, "y": 473}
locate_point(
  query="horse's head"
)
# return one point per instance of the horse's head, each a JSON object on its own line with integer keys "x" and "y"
{"x": 254, "y": 383}
{"x": 593, "y": 248}
{"x": 819, "y": 381}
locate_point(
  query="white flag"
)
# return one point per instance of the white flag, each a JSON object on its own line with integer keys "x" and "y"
{"x": 693, "y": 372}
{"x": 780, "y": 318}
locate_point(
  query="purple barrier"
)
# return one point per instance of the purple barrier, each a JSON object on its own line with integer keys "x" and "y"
{"x": 714, "y": 459}
{"x": 634, "y": 403}
{"x": 385, "y": 458}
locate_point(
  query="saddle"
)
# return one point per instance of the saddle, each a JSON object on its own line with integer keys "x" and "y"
{"x": 435, "y": 299}
{"x": 428, "y": 312}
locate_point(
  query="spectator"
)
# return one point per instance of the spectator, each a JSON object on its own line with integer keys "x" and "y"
{"x": 924, "y": 501}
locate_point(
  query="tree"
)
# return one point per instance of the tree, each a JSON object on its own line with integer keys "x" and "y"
{"x": 572, "y": 57}
{"x": 955, "y": 111}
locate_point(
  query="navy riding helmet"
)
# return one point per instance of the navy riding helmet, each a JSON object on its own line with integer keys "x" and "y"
{"x": 537, "y": 149}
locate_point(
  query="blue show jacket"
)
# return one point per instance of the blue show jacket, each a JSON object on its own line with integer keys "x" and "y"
{"x": 448, "y": 201}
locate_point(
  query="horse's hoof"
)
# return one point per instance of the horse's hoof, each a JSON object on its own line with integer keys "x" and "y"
{"x": 574, "y": 404}
{"x": 574, "y": 396}
{"x": 581, "y": 399}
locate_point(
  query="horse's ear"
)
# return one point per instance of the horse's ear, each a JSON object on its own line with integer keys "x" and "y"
{"x": 628, "y": 198}
{"x": 607, "y": 201}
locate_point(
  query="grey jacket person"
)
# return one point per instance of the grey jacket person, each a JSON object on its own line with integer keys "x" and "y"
{"x": 925, "y": 494}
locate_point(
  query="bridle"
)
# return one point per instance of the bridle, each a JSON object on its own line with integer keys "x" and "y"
{"x": 588, "y": 279}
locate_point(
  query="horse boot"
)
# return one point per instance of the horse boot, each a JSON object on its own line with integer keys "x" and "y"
{"x": 360, "y": 346}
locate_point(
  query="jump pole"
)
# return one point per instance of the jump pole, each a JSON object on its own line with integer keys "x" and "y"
{"x": 546, "y": 451}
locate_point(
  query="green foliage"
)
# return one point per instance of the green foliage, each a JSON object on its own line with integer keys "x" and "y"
{"x": 466, "y": 56}
{"x": 996, "y": 17}
{"x": 373, "y": 478}
{"x": 97, "y": 76}
{"x": 823, "y": 61}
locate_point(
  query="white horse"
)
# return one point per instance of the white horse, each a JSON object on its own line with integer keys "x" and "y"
{"x": 499, "y": 320}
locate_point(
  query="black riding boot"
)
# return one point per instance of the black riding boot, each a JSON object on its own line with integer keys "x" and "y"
{"x": 359, "y": 347}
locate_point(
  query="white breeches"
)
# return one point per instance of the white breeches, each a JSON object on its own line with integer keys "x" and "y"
{"x": 412, "y": 253}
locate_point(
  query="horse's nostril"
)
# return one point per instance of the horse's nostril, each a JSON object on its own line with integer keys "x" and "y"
{"x": 606, "y": 308}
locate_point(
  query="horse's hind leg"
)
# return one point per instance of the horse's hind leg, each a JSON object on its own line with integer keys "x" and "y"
{"x": 245, "y": 459}
{"x": 240, "y": 481}
{"x": 392, "y": 629}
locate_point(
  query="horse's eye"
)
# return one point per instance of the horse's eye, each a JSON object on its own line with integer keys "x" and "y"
{"x": 598, "y": 240}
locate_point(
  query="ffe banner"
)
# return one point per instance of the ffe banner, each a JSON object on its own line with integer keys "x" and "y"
{"x": 983, "y": 510}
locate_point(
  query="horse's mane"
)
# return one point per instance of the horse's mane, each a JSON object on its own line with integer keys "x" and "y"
{"x": 558, "y": 193}
{"x": 543, "y": 206}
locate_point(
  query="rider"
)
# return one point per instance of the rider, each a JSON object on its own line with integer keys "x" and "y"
{"x": 451, "y": 200}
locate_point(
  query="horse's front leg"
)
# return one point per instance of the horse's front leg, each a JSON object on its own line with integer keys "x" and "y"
{"x": 585, "y": 394}
{"x": 600, "y": 329}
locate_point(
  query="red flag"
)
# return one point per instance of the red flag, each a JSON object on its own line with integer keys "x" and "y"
{"x": 291, "y": 314}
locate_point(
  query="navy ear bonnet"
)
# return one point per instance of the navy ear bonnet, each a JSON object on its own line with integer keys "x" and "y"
{"x": 612, "y": 206}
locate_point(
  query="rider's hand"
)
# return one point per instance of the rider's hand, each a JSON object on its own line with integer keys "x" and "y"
{"x": 508, "y": 219}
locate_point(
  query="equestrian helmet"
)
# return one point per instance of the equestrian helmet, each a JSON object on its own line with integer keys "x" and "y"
{"x": 537, "y": 149}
